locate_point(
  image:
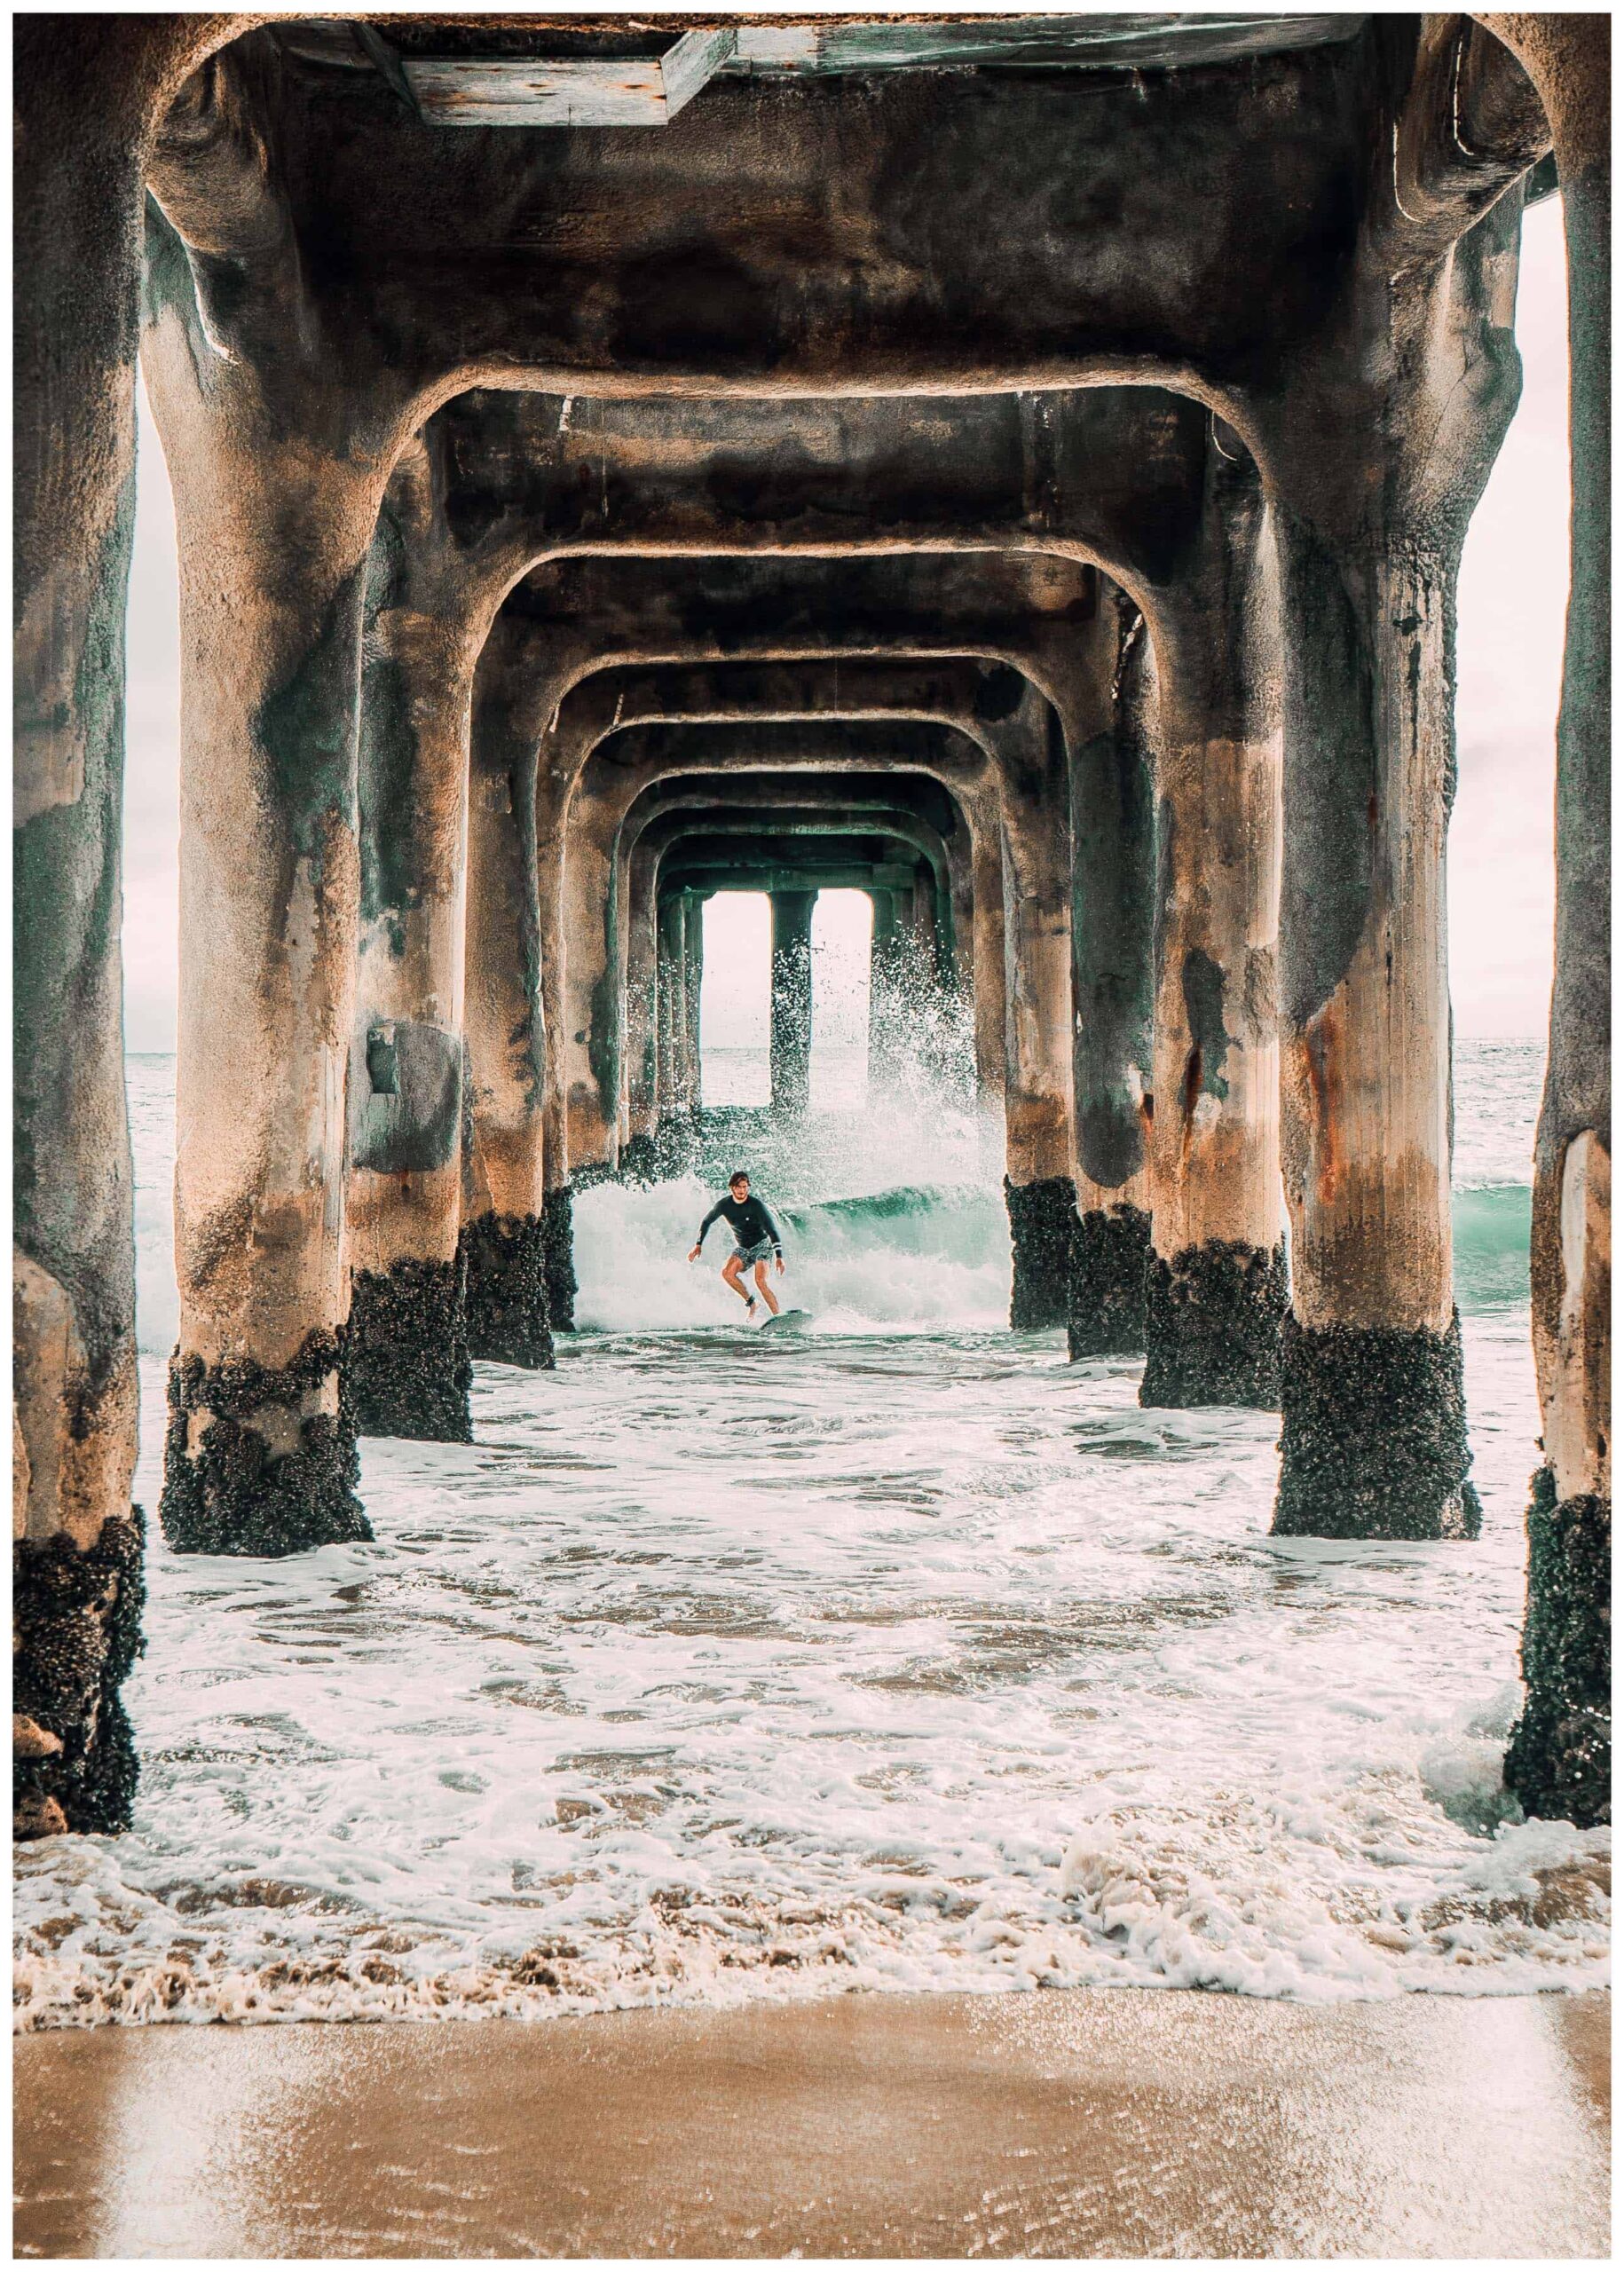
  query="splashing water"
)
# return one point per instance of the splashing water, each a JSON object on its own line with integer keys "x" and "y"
{"x": 904, "y": 1655}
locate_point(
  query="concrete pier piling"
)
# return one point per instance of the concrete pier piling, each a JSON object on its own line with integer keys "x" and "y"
{"x": 1561, "y": 1750}
{"x": 1113, "y": 886}
{"x": 407, "y": 1353}
{"x": 1040, "y": 1192}
{"x": 791, "y": 1046}
{"x": 1214, "y": 1289}
{"x": 261, "y": 1453}
{"x": 502, "y": 1241}
{"x": 559, "y": 547}
{"x": 1368, "y": 600}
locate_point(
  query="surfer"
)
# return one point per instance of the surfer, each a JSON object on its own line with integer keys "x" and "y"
{"x": 756, "y": 1237}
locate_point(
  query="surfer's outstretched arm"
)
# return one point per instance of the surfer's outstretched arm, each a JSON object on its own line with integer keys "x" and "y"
{"x": 693, "y": 1251}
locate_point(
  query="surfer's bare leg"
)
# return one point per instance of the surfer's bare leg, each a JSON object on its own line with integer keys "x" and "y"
{"x": 764, "y": 1289}
{"x": 731, "y": 1277}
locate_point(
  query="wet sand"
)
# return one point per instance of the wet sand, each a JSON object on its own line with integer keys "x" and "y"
{"x": 1161, "y": 2125}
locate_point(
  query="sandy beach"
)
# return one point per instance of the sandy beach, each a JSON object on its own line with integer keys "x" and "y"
{"x": 1162, "y": 2125}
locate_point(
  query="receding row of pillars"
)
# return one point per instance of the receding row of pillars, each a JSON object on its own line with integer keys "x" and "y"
{"x": 1204, "y": 788}
{"x": 678, "y": 975}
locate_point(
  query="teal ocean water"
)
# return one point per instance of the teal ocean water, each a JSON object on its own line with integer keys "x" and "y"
{"x": 902, "y": 1654}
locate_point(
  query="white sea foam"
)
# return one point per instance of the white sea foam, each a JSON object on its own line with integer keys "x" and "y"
{"x": 723, "y": 1667}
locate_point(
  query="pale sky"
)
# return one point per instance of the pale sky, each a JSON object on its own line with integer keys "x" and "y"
{"x": 1512, "y": 599}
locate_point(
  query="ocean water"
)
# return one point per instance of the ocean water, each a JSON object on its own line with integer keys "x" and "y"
{"x": 901, "y": 1654}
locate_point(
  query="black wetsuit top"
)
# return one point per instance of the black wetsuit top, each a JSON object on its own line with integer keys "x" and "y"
{"x": 747, "y": 1220}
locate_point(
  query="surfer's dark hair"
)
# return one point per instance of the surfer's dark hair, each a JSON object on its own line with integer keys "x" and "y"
{"x": 739, "y": 1175}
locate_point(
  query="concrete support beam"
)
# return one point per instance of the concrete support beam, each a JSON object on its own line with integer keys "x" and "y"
{"x": 261, "y": 1453}
{"x": 888, "y": 987}
{"x": 693, "y": 980}
{"x": 1039, "y": 1187}
{"x": 1560, "y": 1758}
{"x": 407, "y": 1355}
{"x": 1042, "y": 487}
{"x": 88, "y": 94}
{"x": 790, "y": 1049}
{"x": 1368, "y": 547}
{"x": 1021, "y": 607}
{"x": 425, "y": 232}
{"x": 671, "y": 993}
{"x": 1113, "y": 870}
{"x": 1215, "y": 1288}
{"x": 505, "y": 1238}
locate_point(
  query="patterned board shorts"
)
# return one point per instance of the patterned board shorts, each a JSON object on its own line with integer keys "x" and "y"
{"x": 760, "y": 1252}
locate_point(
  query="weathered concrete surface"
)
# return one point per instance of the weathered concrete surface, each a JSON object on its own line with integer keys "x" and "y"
{"x": 1560, "y": 1757}
{"x": 272, "y": 535}
{"x": 503, "y": 1238}
{"x": 1108, "y": 475}
{"x": 1024, "y": 608}
{"x": 673, "y": 1089}
{"x": 887, "y": 949}
{"x": 1216, "y": 1289}
{"x": 1112, "y": 911}
{"x": 407, "y": 1351}
{"x": 790, "y": 1008}
{"x": 941, "y": 234}
{"x": 1368, "y": 545}
{"x": 88, "y": 94}
{"x": 693, "y": 978}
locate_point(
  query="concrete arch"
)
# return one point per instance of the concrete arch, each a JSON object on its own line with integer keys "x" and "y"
{"x": 1030, "y": 833}
{"x": 661, "y": 820}
{"x": 1037, "y": 1066}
